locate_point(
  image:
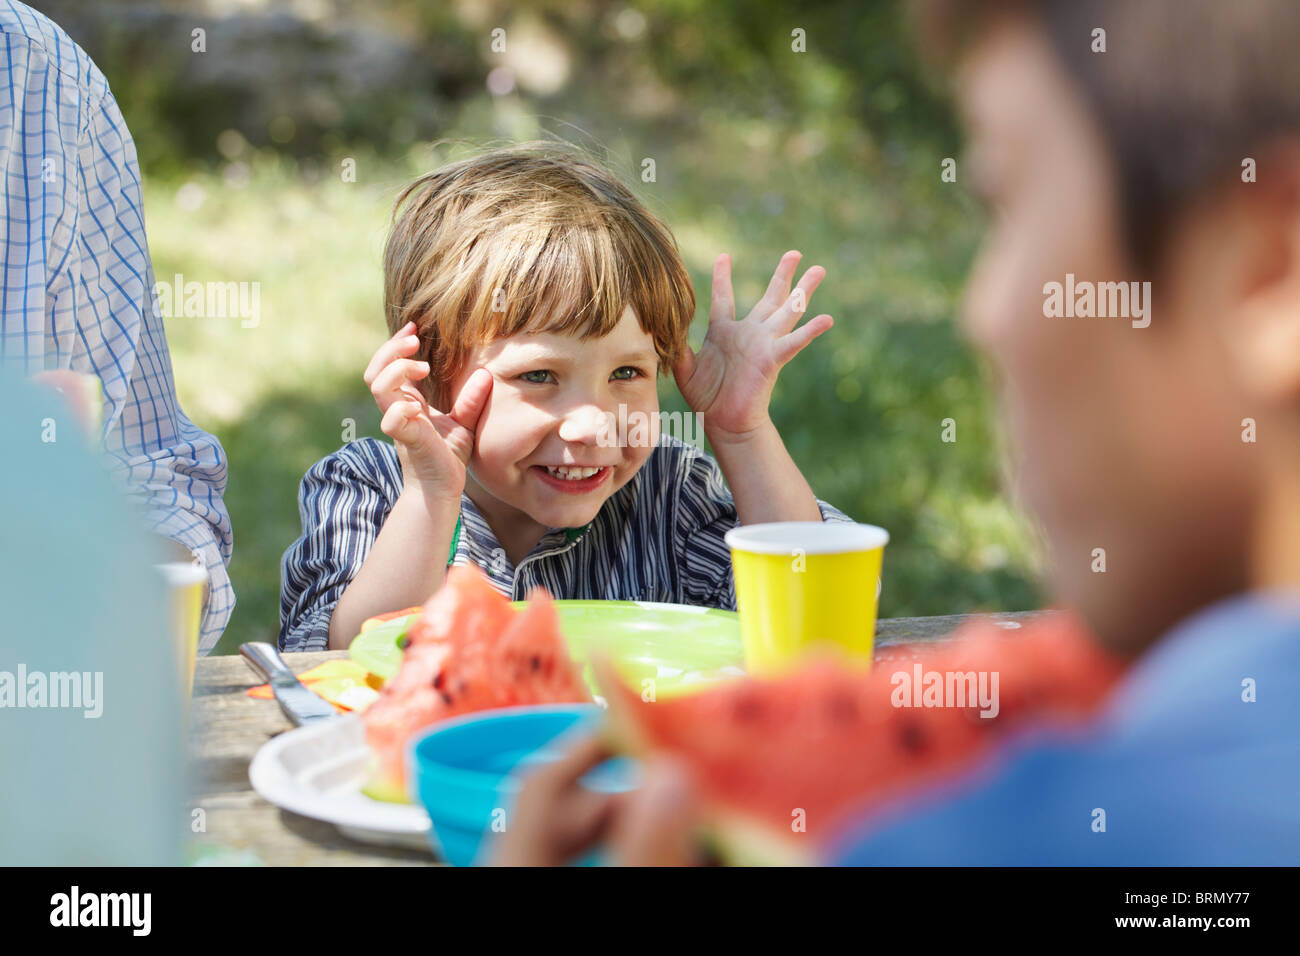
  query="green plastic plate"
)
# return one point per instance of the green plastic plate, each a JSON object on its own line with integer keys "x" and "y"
{"x": 376, "y": 648}
{"x": 673, "y": 644}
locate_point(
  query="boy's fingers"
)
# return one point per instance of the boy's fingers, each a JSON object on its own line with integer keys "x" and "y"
{"x": 402, "y": 344}
{"x": 792, "y": 310}
{"x": 473, "y": 395}
{"x": 779, "y": 288}
{"x": 553, "y": 832}
{"x": 684, "y": 366}
{"x": 411, "y": 393}
{"x": 723, "y": 304}
{"x": 582, "y": 755}
{"x": 586, "y": 752}
{"x": 453, "y": 435}
{"x": 554, "y": 817}
{"x": 401, "y": 422}
{"x": 587, "y": 819}
{"x": 388, "y": 384}
{"x": 657, "y": 824}
{"x": 788, "y": 346}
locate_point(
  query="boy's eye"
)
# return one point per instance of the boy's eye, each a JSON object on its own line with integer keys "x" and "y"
{"x": 624, "y": 373}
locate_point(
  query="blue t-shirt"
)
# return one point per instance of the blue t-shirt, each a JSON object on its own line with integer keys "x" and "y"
{"x": 1183, "y": 767}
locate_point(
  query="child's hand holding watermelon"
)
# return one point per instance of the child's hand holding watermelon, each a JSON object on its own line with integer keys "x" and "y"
{"x": 775, "y": 770}
{"x": 557, "y": 819}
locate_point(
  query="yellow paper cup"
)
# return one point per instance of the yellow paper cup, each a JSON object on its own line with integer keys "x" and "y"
{"x": 185, "y": 586}
{"x": 806, "y": 584}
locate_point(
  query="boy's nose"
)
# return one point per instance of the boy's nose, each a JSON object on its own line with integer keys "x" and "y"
{"x": 584, "y": 424}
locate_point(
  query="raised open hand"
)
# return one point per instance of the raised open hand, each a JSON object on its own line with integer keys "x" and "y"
{"x": 730, "y": 380}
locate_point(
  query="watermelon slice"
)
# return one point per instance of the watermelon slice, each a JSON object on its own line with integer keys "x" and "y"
{"x": 469, "y": 651}
{"x": 782, "y": 764}
{"x": 465, "y": 610}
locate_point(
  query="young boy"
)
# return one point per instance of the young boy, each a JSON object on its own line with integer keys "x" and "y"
{"x": 533, "y": 302}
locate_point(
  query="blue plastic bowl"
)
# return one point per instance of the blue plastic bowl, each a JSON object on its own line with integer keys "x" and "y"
{"x": 467, "y": 771}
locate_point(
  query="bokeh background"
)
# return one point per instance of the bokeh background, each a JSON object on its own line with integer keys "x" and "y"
{"x": 836, "y": 151}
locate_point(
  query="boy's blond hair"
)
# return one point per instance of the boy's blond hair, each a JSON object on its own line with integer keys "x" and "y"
{"x": 530, "y": 238}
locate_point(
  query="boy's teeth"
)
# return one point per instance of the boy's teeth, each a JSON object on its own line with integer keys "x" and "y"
{"x": 572, "y": 474}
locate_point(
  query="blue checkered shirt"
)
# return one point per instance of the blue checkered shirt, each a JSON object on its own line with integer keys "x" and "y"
{"x": 78, "y": 290}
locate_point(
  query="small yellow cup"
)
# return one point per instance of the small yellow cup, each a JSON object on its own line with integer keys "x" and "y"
{"x": 803, "y": 584}
{"x": 185, "y": 587}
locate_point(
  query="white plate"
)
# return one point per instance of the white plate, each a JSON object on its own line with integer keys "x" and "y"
{"x": 318, "y": 771}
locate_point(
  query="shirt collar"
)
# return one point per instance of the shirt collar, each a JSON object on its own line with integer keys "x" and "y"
{"x": 475, "y": 527}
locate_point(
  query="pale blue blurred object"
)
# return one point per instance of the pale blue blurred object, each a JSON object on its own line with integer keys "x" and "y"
{"x": 468, "y": 770}
{"x": 78, "y": 593}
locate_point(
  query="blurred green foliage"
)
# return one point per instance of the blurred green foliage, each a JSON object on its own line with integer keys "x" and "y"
{"x": 835, "y": 151}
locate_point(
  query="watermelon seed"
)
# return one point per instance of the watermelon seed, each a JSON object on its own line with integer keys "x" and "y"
{"x": 437, "y": 681}
{"x": 446, "y": 698}
{"x": 404, "y": 642}
{"x": 536, "y": 663}
{"x": 843, "y": 708}
{"x": 912, "y": 738}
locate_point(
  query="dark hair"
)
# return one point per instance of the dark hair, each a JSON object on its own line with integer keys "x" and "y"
{"x": 1186, "y": 90}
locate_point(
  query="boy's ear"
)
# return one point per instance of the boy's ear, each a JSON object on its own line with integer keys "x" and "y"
{"x": 1262, "y": 333}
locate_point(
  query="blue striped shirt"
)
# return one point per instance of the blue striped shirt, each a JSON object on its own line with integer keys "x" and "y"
{"x": 658, "y": 538}
{"x": 78, "y": 289}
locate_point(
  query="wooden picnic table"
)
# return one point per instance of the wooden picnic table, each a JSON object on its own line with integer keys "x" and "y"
{"x": 227, "y": 727}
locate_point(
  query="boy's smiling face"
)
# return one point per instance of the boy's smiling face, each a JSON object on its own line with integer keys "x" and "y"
{"x": 551, "y": 401}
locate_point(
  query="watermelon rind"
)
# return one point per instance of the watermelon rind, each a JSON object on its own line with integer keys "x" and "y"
{"x": 739, "y": 841}
{"x": 735, "y": 839}
{"x": 382, "y": 787}
{"x": 385, "y": 791}
{"x": 376, "y": 648}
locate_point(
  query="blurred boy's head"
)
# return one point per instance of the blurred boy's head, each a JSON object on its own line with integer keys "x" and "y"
{"x": 541, "y": 266}
{"x": 1128, "y": 166}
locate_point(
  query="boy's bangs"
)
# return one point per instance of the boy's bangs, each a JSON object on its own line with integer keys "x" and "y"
{"x": 566, "y": 282}
{"x": 511, "y": 243}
